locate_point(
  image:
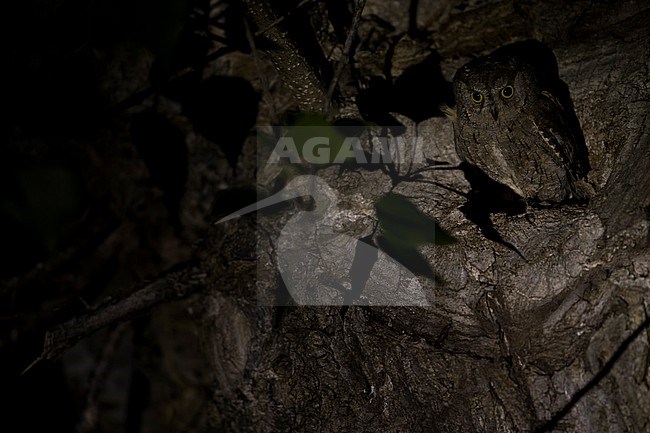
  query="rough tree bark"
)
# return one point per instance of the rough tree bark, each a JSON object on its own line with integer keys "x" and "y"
{"x": 507, "y": 344}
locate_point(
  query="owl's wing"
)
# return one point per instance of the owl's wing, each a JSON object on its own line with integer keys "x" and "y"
{"x": 561, "y": 130}
{"x": 481, "y": 150}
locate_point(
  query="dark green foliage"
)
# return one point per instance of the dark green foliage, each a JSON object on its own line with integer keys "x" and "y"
{"x": 404, "y": 228}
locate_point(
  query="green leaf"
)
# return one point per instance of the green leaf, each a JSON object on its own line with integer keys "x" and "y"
{"x": 409, "y": 257}
{"x": 310, "y": 128}
{"x": 320, "y": 141}
{"x": 45, "y": 200}
{"x": 403, "y": 225}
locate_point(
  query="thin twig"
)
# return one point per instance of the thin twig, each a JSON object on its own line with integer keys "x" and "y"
{"x": 140, "y": 96}
{"x": 347, "y": 48}
{"x": 555, "y": 419}
{"x": 258, "y": 68}
{"x": 176, "y": 285}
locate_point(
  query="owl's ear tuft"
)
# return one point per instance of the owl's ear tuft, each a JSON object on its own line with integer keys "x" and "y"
{"x": 448, "y": 111}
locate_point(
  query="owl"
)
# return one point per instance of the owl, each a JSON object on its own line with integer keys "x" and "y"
{"x": 515, "y": 130}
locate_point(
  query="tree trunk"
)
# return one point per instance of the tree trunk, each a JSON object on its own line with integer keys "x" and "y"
{"x": 557, "y": 341}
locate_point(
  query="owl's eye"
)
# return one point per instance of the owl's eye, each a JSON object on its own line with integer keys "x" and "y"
{"x": 477, "y": 97}
{"x": 507, "y": 92}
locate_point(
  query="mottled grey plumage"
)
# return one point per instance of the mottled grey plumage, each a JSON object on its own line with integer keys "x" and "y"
{"x": 517, "y": 132}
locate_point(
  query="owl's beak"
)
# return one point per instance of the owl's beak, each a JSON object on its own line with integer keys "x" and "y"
{"x": 495, "y": 112}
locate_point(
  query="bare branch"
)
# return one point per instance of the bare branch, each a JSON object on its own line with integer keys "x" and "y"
{"x": 173, "y": 286}
{"x": 296, "y": 71}
{"x": 356, "y": 19}
{"x": 551, "y": 424}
